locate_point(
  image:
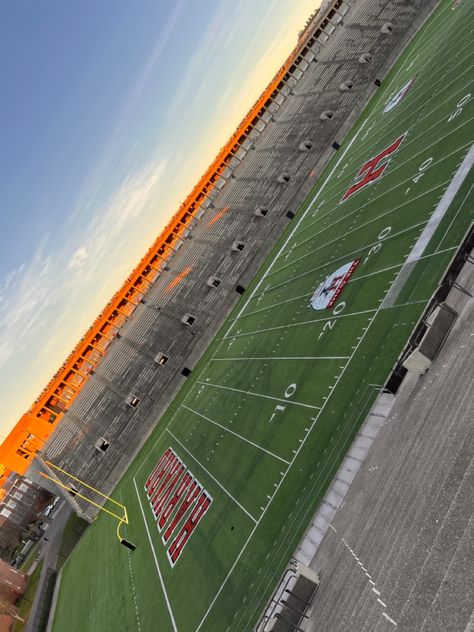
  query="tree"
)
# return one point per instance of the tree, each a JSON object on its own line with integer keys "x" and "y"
{"x": 8, "y": 608}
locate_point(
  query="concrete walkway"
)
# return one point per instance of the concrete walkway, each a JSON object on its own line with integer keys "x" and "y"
{"x": 49, "y": 552}
{"x": 399, "y": 554}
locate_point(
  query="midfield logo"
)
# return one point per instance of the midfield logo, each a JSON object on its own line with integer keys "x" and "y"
{"x": 327, "y": 292}
{"x": 176, "y": 498}
{"x": 373, "y": 168}
{"x": 396, "y": 98}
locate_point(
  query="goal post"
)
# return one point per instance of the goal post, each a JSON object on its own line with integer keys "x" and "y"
{"x": 121, "y": 516}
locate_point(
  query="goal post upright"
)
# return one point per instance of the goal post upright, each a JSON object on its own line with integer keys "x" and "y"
{"x": 122, "y": 519}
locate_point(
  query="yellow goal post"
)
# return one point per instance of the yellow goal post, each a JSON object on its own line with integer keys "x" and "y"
{"x": 122, "y": 517}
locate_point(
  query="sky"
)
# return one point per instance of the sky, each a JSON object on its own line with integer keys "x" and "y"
{"x": 110, "y": 112}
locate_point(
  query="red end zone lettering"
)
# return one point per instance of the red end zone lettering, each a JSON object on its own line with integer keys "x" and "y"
{"x": 192, "y": 522}
{"x": 156, "y": 485}
{"x": 189, "y": 499}
{"x": 168, "y": 510}
{"x": 177, "y": 499}
{"x": 158, "y": 507}
{"x": 172, "y": 475}
{"x": 374, "y": 168}
{"x": 161, "y": 465}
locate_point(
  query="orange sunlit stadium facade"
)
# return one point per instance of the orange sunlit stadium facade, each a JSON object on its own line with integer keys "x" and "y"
{"x": 35, "y": 427}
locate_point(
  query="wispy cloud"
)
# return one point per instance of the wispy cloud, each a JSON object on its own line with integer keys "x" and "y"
{"x": 79, "y": 259}
{"x": 46, "y": 304}
{"x": 107, "y": 161}
{"x": 25, "y": 295}
{"x": 113, "y": 219}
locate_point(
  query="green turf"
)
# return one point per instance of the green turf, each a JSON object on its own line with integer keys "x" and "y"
{"x": 73, "y": 531}
{"x": 267, "y": 474}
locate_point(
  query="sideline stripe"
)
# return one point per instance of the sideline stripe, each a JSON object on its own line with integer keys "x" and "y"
{"x": 303, "y": 322}
{"x": 281, "y": 358}
{"x": 461, "y": 206}
{"x": 429, "y": 230}
{"x": 132, "y": 580}
{"x": 275, "y": 399}
{"x": 173, "y": 622}
{"x": 213, "y": 477}
{"x": 259, "y": 447}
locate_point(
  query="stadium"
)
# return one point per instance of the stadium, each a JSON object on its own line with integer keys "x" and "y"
{"x": 281, "y": 397}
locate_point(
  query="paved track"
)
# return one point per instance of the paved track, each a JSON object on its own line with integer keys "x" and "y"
{"x": 400, "y": 554}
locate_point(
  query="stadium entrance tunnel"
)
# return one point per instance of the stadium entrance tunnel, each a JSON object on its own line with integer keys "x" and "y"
{"x": 213, "y": 281}
{"x": 161, "y": 358}
{"x": 188, "y": 319}
{"x": 346, "y": 85}
{"x": 132, "y": 400}
{"x": 387, "y": 28}
{"x": 326, "y": 115}
{"x": 238, "y": 246}
{"x": 102, "y": 445}
{"x": 365, "y": 58}
{"x": 306, "y": 145}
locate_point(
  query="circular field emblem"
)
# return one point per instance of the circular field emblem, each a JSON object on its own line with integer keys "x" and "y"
{"x": 399, "y": 96}
{"x": 327, "y": 292}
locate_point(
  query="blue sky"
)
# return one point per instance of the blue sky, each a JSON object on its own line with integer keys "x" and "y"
{"x": 109, "y": 114}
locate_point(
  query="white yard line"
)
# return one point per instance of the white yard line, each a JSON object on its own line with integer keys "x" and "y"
{"x": 132, "y": 580}
{"x": 275, "y": 399}
{"x": 236, "y": 434}
{"x": 430, "y": 41}
{"x": 461, "y": 206}
{"x": 304, "y": 322}
{"x": 213, "y": 477}
{"x": 279, "y": 358}
{"x": 263, "y": 309}
{"x": 358, "y": 227}
{"x": 430, "y": 228}
{"x": 300, "y": 296}
{"x": 163, "y": 587}
{"x": 342, "y": 257}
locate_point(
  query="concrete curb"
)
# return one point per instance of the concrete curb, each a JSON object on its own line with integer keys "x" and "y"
{"x": 54, "y": 602}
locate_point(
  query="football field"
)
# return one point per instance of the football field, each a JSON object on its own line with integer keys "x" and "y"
{"x": 223, "y": 490}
